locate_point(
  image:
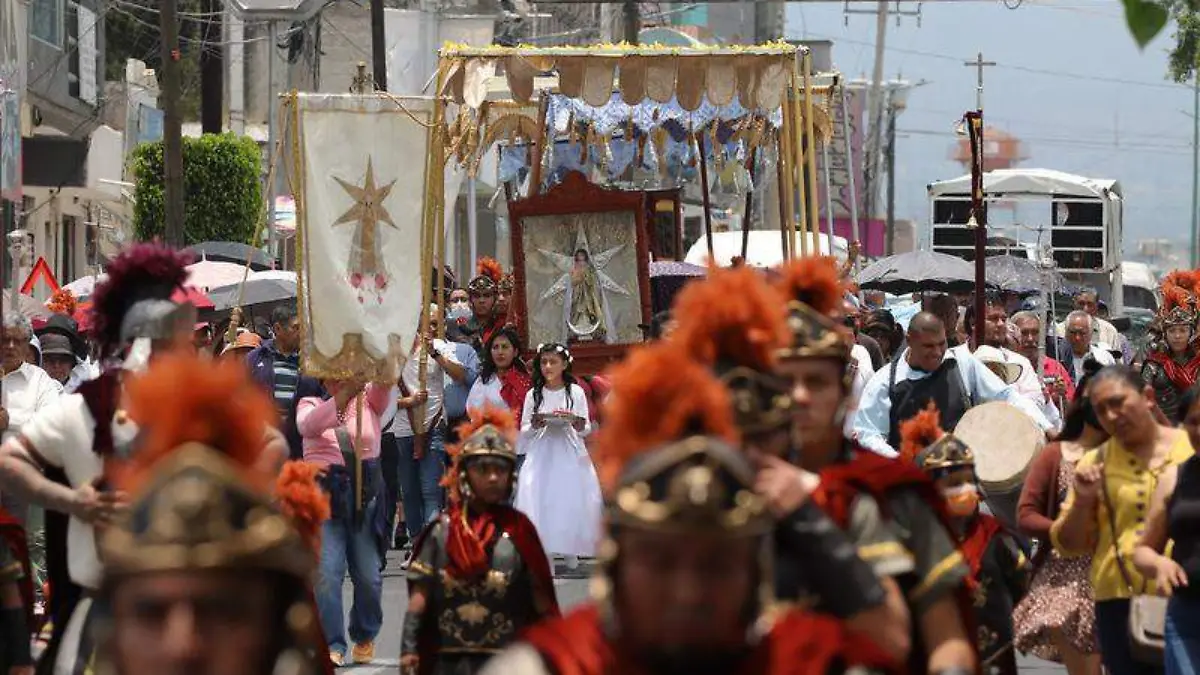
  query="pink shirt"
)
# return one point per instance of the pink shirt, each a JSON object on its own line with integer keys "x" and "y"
{"x": 317, "y": 422}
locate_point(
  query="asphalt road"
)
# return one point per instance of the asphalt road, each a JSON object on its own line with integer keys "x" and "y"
{"x": 571, "y": 591}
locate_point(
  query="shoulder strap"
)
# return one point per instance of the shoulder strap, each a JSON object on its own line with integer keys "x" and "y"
{"x": 1112, "y": 519}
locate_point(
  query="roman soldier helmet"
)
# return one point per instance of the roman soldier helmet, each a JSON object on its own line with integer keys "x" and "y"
{"x": 1179, "y": 289}
{"x": 488, "y": 277}
{"x": 733, "y": 323}
{"x": 488, "y": 432}
{"x": 814, "y": 291}
{"x": 134, "y": 302}
{"x": 205, "y": 496}
{"x": 933, "y": 450}
{"x": 669, "y": 460}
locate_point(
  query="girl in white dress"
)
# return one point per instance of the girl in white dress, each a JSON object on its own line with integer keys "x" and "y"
{"x": 558, "y": 488}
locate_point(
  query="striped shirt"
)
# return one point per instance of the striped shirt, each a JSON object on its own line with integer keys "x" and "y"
{"x": 287, "y": 376}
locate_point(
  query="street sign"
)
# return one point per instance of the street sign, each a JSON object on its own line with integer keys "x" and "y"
{"x": 276, "y": 10}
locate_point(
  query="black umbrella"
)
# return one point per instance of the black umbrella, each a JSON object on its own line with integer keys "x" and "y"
{"x": 1022, "y": 275}
{"x": 918, "y": 271}
{"x": 257, "y": 292}
{"x": 232, "y": 251}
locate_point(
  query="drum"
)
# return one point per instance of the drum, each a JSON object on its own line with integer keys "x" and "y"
{"x": 1004, "y": 441}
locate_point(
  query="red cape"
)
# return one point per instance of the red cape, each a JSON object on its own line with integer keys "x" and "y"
{"x": 524, "y": 536}
{"x": 799, "y": 643}
{"x": 876, "y": 475}
{"x": 975, "y": 540}
{"x": 14, "y": 537}
{"x": 1182, "y": 376}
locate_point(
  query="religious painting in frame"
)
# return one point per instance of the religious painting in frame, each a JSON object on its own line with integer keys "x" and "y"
{"x": 581, "y": 269}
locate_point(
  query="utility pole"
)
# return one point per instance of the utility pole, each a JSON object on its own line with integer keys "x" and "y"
{"x": 978, "y": 207}
{"x": 891, "y": 172}
{"x": 378, "y": 46}
{"x": 212, "y": 69}
{"x": 877, "y": 104}
{"x": 631, "y": 15}
{"x": 172, "y": 125}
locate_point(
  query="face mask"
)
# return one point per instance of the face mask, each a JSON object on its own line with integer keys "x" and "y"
{"x": 961, "y": 501}
{"x": 459, "y": 311}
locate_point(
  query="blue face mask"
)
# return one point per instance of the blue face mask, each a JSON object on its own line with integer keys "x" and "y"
{"x": 459, "y": 311}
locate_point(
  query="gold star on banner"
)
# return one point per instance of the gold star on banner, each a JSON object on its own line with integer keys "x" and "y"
{"x": 367, "y": 213}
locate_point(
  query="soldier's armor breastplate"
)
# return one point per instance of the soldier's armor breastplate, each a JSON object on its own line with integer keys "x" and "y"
{"x": 483, "y": 615}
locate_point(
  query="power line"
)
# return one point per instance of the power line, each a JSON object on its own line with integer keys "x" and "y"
{"x": 1024, "y": 69}
{"x": 1173, "y": 150}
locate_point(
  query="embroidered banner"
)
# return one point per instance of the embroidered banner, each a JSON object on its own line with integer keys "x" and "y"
{"x": 360, "y": 216}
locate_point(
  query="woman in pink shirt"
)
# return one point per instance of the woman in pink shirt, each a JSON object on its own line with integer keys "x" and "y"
{"x": 355, "y": 535}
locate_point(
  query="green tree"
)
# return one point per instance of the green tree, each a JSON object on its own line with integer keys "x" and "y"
{"x": 222, "y": 188}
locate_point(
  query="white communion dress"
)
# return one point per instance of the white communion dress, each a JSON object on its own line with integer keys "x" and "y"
{"x": 558, "y": 488}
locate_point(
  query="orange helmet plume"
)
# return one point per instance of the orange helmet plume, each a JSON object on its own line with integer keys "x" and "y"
{"x": 658, "y": 395}
{"x": 919, "y": 432}
{"x": 500, "y": 418}
{"x": 814, "y": 281}
{"x": 490, "y": 268}
{"x": 733, "y": 315}
{"x": 302, "y": 501}
{"x": 63, "y": 302}
{"x": 215, "y": 404}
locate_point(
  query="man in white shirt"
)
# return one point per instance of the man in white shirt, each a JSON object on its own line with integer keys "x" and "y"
{"x": 928, "y": 372}
{"x": 422, "y": 466}
{"x": 27, "y": 388}
{"x": 1079, "y": 330}
{"x": 1104, "y": 334}
{"x": 995, "y": 350}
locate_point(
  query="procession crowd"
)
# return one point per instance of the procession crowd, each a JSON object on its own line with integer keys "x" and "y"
{"x": 772, "y": 484}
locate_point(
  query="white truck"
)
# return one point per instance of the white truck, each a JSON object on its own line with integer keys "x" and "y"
{"x": 1075, "y": 219}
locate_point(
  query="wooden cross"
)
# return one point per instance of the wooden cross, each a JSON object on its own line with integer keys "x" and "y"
{"x": 979, "y": 64}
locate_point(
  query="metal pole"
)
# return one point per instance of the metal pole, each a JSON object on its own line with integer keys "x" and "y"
{"x": 172, "y": 125}
{"x": 828, "y": 194}
{"x": 472, "y": 220}
{"x": 378, "y": 46}
{"x": 272, "y": 132}
{"x": 1195, "y": 254}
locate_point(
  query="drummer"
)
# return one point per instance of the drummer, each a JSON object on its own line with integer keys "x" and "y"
{"x": 994, "y": 353}
{"x": 926, "y": 371}
{"x": 999, "y": 571}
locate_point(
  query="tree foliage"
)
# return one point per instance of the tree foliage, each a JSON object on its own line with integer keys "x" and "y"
{"x": 221, "y": 184}
{"x": 1148, "y": 18}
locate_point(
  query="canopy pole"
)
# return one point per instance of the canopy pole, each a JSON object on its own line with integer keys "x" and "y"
{"x": 784, "y": 199}
{"x": 748, "y": 211}
{"x": 539, "y": 146}
{"x": 810, "y": 136}
{"x": 798, "y": 163}
{"x": 850, "y": 173}
{"x": 704, "y": 196}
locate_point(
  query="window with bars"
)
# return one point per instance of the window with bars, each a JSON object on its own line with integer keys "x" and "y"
{"x": 46, "y": 21}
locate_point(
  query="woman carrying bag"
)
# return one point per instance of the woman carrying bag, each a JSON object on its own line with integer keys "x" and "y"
{"x": 1175, "y": 518}
{"x": 1106, "y": 510}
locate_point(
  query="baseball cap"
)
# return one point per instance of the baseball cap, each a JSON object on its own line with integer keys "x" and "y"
{"x": 54, "y": 344}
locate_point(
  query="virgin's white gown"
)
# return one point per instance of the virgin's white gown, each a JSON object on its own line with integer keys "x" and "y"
{"x": 558, "y": 488}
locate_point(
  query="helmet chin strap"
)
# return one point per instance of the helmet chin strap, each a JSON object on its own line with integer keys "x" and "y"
{"x": 138, "y": 358}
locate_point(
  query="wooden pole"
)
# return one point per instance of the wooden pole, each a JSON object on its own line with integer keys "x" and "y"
{"x": 539, "y": 146}
{"x": 810, "y": 149}
{"x": 378, "y": 46}
{"x": 747, "y": 212}
{"x": 797, "y": 138}
{"x": 172, "y": 125}
{"x": 704, "y": 196}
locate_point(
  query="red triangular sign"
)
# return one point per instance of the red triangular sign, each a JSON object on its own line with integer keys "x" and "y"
{"x": 41, "y": 271}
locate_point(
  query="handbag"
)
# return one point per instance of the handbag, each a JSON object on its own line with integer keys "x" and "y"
{"x": 1147, "y": 613}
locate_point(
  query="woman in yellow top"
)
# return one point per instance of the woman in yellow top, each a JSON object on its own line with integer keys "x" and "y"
{"x": 1124, "y": 473}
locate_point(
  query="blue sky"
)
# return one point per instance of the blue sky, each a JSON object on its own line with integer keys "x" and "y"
{"x": 1070, "y": 82}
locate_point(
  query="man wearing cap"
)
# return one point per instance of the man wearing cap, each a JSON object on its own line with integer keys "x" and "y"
{"x": 62, "y": 330}
{"x": 1011, "y": 367}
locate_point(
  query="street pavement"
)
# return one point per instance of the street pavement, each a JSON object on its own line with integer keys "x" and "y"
{"x": 571, "y": 591}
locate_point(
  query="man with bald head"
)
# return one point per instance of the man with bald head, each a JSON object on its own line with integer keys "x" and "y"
{"x": 927, "y": 371}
